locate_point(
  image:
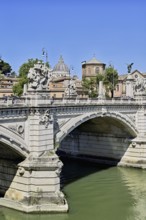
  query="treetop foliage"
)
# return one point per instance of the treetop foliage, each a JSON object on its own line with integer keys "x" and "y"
{"x": 5, "y": 67}
{"x": 24, "y": 68}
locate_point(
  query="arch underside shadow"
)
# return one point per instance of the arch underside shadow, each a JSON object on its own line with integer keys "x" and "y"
{"x": 13, "y": 150}
{"x": 75, "y": 122}
{"x": 100, "y": 136}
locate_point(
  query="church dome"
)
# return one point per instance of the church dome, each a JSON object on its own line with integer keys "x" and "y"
{"x": 61, "y": 69}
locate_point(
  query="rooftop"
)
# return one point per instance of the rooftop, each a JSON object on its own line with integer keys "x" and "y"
{"x": 94, "y": 61}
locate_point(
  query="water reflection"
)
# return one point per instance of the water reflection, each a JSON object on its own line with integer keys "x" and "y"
{"x": 95, "y": 192}
{"x": 135, "y": 180}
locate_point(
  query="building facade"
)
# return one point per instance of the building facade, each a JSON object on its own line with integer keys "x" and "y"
{"x": 6, "y": 86}
{"x": 92, "y": 67}
{"x": 126, "y": 82}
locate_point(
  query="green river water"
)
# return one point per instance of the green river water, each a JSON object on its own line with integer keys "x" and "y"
{"x": 96, "y": 192}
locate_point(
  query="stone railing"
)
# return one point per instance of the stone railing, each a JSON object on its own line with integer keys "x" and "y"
{"x": 94, "y": 102}
{"x": 35, "y": 101}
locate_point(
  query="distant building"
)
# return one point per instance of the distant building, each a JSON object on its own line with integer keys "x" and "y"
{"x": 6, "y": 86}
{"x": 126, "y": 83}
{"x": 92, "y": 67}
{"x": 120, "y": 89}
{"x": 60, "y": 80}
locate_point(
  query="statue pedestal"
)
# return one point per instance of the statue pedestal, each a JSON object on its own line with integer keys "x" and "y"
{"x": 70, "y": 96}
{"x": 139, "y": 96}
{"x": 37, "y": 97}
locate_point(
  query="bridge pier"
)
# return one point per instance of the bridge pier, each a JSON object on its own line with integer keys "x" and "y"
{"x": 36, "y": 186}
{"x": 135, "y": 156}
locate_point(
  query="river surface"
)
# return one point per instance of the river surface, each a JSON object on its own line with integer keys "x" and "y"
{"x": 96, "y": 192}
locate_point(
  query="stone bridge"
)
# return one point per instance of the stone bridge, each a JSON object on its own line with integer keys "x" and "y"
{"x": 33, "y": 128}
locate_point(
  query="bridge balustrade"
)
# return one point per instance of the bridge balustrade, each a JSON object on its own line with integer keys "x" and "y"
{"x": 26, "y": 101}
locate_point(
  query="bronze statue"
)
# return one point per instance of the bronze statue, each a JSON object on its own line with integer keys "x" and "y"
{"x": 129, "y": 67}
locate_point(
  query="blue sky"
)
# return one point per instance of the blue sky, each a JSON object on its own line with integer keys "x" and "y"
{"x": 113, "y": 30}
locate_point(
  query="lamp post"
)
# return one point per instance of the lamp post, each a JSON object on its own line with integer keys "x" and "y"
{"x": 69, "y": 83}
{"x": 113, "y": 85}
{"x": 71, "y": 68}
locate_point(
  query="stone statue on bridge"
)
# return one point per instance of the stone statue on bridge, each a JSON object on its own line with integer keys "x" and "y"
{"x": 38, "y": 77}
{"x": 71, "y": 90}
{"x": 140, "y": 86}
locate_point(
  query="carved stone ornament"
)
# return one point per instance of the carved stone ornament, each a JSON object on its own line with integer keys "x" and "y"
{"x": 140, "y": 86}
{"x": 17, "y": 128}
{"x": 133, "y": 144}
{"x": 58, "y": 170}
{"x": 20, "y": 129}
{"x": 104, "y": 111}
{"x": 71, "y": 89}
{"x": 38, "y": 77}
{"x": 21, "y": 171}
{"x": 46, "y": 119}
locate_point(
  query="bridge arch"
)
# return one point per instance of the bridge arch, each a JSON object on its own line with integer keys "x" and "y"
{"x": 75, "y": 122}
{"x": 12, "y": 142}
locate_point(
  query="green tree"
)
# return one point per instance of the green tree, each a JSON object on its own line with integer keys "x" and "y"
{"x": 99, "y": 77}
{"x": 23, "y": 71}
{"x": 110, "y": 79}
{"x": 90, "y": 87}
{"x": 18, "y": 87}
{"x": 5, "y": 67}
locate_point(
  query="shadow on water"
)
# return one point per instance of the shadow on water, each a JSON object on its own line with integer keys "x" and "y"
{"x": 74, "y": 169}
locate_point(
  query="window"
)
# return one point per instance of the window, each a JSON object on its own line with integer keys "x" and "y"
{"x": 84, "y": 72}
{"x": 117, "y": 87}
{"x": 96, "y": 70}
